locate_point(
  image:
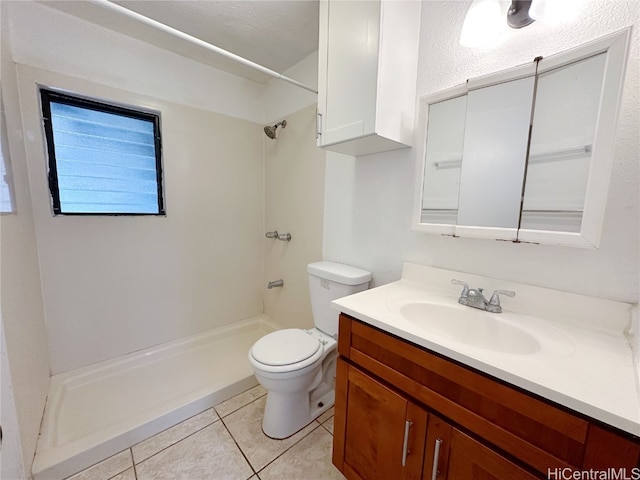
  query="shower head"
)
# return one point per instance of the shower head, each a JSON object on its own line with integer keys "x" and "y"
{"x": 271, "y": 130}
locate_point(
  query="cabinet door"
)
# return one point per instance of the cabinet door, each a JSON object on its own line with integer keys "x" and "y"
{"x": 350, "y": 69}
{"x": 469, "y": 459}
{"x": 436, "y": 449}
{"x": 379, "y": 434}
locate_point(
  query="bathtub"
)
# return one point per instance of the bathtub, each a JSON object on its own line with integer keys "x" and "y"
{"x": 97, "y": 411}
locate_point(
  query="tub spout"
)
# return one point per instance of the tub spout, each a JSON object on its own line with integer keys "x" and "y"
{"x": 275, "y": 283}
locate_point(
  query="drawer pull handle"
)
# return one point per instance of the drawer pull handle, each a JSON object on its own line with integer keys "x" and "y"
{"x": 405, "y": 443}
{"x": 436, "y": 457}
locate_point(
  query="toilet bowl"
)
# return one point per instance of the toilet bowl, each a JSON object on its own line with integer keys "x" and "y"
{"x": 296, "y": 366}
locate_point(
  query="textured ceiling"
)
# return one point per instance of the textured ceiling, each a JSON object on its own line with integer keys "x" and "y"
{"x": 274, "y": 33}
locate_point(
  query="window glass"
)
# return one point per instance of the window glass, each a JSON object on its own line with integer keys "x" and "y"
{"x": 103, "y": 159}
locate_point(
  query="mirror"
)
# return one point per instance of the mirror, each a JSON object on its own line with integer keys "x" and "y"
{"x": 443, "y": 159}
{"x": 524, "y": 154}
{"x": 494, "y": 155}
{"x": 561, "y": 141}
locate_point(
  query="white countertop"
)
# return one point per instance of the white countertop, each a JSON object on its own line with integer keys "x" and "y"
{"x": 584, "y": 362}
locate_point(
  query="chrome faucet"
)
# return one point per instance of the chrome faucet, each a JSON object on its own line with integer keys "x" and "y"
{"x": 474, "y": 297}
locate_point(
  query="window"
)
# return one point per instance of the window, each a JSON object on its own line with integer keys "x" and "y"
{"x": 103, "y": 159}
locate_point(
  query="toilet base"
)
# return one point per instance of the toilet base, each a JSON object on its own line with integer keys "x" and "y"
{"x": 285, "y": 415}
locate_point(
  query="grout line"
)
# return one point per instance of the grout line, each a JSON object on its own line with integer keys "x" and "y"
{"x": 133, "y": 459}
{"x": 135, "y": 470}
{"x": 240, "y": 449}
{"x": 330, "y": 432}
{"x": 173, "y": 444}
{"x": 102, "y": 461}
{"x": 293, "y": 445}
{"x": 241, "y": 406}
{"x": 219, "y": 419}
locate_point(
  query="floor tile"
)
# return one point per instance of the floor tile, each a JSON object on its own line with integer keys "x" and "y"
{"x": 107, "y": 468}
{"x": 310, "y": 459}
{"x": 166, "y": 438}
{"x": 239, "y": 401}
{"x": 210, "y": 453}
{"x": 246, "y": 427}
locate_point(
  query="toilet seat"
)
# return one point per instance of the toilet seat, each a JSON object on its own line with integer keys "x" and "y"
{"x": 286, "y": 350}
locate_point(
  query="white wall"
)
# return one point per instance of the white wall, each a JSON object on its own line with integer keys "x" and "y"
{"x": 281, "y": 98}
{"x": 368, "y": 200}
{"x": 23, "y": 354}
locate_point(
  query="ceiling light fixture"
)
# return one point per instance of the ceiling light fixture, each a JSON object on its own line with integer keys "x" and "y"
{"x": 518, "y": 14}
{"x": 482, "y": 27}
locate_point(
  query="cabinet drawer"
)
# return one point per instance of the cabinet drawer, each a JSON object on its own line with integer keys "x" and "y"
{"x": 534, "y": 431}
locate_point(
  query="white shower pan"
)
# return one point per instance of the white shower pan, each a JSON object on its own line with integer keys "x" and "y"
{"x": 99, "y": 410}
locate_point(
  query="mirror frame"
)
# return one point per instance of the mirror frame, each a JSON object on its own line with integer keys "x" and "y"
{"x": 601, "y": 162}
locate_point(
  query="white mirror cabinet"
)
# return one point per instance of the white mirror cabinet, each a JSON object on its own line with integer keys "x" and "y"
{"x": 524, "y": 154}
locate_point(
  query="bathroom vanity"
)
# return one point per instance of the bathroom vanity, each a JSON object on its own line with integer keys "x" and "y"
{"x": 419, "y": 400}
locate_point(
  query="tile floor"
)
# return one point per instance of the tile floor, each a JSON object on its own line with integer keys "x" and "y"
{"x": 225, "y": 442}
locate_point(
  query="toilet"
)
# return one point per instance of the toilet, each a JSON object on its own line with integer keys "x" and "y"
{"x": 297, "y": 367}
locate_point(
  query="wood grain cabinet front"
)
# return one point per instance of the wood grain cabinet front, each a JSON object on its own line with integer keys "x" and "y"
{"x": 384, "y": 433}
{"x": 403, "y": 412}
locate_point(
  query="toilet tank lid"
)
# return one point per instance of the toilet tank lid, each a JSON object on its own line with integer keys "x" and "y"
{"x": 338, "y": 272}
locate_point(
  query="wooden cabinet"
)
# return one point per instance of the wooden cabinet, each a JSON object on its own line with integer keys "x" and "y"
{"x": 368, "y": 56}
{"x": 401, "y": 409}
{"x": 453, "y": 455}
{"x": 383, "y": 431}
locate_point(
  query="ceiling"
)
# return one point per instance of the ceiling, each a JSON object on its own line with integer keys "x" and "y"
{"x": 276, "y": 34}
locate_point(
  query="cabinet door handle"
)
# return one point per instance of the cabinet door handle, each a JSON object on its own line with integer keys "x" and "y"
{"x": 436, "y": 457}
{"x": 405, "y": 443}
{"x": 318, "y": 124}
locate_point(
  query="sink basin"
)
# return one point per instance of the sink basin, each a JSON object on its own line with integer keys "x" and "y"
{"x": 471, "y": 326}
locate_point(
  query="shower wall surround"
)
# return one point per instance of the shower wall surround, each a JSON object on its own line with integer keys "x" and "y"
{"x": 369, "y": 200}
{"x": 294, "y": 187}
{"x": 113, "y": 285}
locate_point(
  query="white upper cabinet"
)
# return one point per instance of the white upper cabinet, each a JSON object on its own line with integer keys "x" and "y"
{"x": 368, "y": 56}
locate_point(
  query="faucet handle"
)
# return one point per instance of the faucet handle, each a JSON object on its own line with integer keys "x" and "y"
{"x": 465, "y": 290}
{"x": 495, "y": 298}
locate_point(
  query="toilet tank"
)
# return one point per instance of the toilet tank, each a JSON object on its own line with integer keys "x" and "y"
{"x": 329, "y": 281}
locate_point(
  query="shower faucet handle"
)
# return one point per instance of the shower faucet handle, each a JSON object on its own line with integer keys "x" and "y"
{"x": 273, "y": 234}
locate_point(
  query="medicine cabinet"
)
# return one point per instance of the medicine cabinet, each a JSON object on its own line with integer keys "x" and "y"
{"x": 524, "y": 154}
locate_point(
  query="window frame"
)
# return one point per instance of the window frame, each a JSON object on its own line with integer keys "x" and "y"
{"x": 47, "y": 95}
